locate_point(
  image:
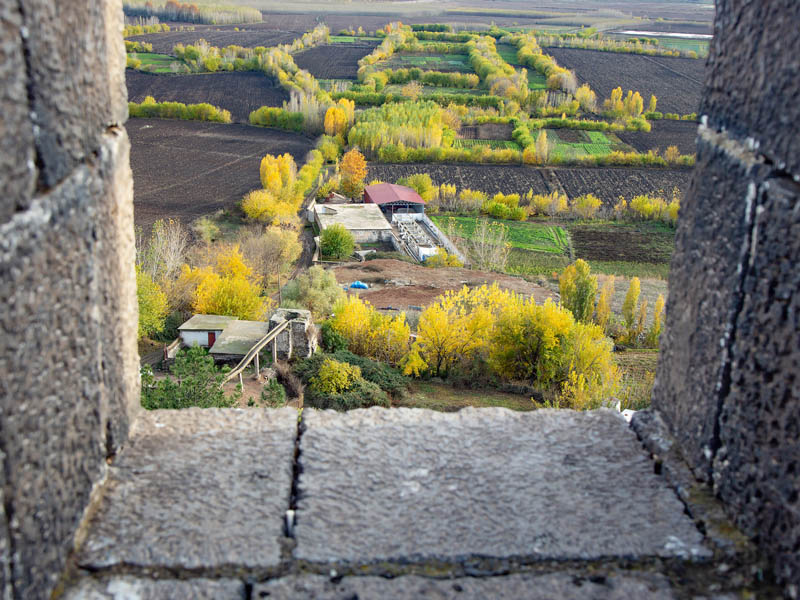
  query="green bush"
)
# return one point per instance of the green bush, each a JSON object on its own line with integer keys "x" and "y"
{"x": 332, "y": 340}
{"x": 273, "y": 395}
{"x": 335, "y": 377}
{"x": 385, "y": 377}
{"x": 197, "y": 382}
{"x": 362, "y": 394}
{"x": 337, "y": 242}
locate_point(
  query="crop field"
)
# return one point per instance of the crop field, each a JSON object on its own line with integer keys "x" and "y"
{"x": 487, "y": 178}
{"x": 676, "y": 82}
{"x": 628, "y": 249}
{"x": 609, "y": 183}
{"x": 240, "y": 92}
{"x": 487, "y": 131}
{"x": 566, "y": 144}
{"x": 163, "y": 43}
{"x": 527, "y": 236}
{"x": 665, "y": 133}
{"x": 497, "y": 144}
{"x": 606, "y": 183}
{"x": 161, "y": 62}
{"x": 339, "y": 61}
{"x": 432, "y": 62}
{"x": 352, "y": 39}
{"x": 186, "y": 169}
{"x": 427, "y": 90}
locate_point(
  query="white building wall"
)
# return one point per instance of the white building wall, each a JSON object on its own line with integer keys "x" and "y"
{"x": 197, "y": 338}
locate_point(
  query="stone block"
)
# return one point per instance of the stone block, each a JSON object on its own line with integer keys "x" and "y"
{"x": 704, "y": 294}
{"x": 17, "y": 167}
{"x": 410, "y": 485}
{"x": 76, "y": 71}
{"x": 564, "y": 586}
{"x": 753, "y": 79}
{"x": 757, "y": 468}
{"x": 196, "y": 489}
{"x": 118, "y": 588}
{"x": 5, "y": 545}
{"x": 117, "y": 290}
{"x": 51, "y": 389}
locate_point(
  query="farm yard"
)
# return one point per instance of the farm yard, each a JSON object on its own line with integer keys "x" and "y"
{"x": 239, "y": 92}
{"x": 187, "y": 169}
{"x": 676, "y": 82}
{"x": 604, "y": 182}
{"x": 665, "y": 133}
{"x": 400, "y": 284}
{"x": 339, "y": 61}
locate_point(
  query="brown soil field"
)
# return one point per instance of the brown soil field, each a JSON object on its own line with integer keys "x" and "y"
{"x": 239, "y": 92}
{"x": 629, "y": 244}
{"x": 186, "y": 169}
{"x": 606, "y": 183}
{"x": 676, "y": 82}
{"x": 664, "y": 134}
{"x": 487, "y": 178}
{"x": 609, "y": 184}
{"x": 338, "y": 61}
{"x": 400, "y": 284}
{"x": 487, "y": 131}
{"x": 163, "y": 43}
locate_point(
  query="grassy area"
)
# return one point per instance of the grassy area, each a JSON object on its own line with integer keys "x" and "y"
{"x": 442, "y": 397}
{"x": 349, "y": 39}
{"x": 630, "y": 269}
{"x": 499, "y": 144}
{"x": 527, "y": 263}
{"x": 592, "y": 143}
{"x": 434, "y": 62}
{"x": 427, "y": 90}
{"x": 521, "y": 234}
{"x": 638, "y": 374}
{"x": 161, "y": 62}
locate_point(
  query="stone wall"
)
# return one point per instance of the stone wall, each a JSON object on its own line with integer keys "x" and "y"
{"x": 68, "y": 360}
{"x": 727, "y": 381}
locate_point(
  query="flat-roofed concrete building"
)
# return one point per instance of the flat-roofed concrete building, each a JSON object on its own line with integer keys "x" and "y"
{"x": 365, "y": 221}
{"x": 203, "y": 330}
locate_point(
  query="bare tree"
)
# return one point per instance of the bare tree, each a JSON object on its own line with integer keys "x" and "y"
{"x": 162, "y": 255}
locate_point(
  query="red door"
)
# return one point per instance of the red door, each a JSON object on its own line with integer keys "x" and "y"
{"x": 212, "y": 337}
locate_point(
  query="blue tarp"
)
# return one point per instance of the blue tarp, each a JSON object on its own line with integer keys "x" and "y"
{"x": 360, "y": 285}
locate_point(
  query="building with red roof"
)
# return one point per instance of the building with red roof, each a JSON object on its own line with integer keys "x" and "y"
{"x": 393, "y": 199}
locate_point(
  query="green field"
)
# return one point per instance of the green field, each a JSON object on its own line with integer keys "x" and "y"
{"x": 433, "y": 62}
{"x": 349, "y": 39}
{"x": 593, "y": 143}
{"x": 427, "y": 90}
{"x": 496, "y": 144}
{"x": 160, "y": 62}
{"x": 439, "y": 396}
{"x": 536, "y": 81}
{"x": 521, "y": 234}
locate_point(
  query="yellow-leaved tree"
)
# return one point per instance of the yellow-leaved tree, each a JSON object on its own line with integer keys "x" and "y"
{"x": 277, "y": 203}
{"x": 354, "y": 170}
{"x": 225, "y": 288}
{"x": 578, "y": 288}
{"x": 370, "y": 333}
{"x": 456, "y": 328}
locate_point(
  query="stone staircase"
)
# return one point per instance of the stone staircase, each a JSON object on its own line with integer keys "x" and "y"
{"x": 401, "y": 503}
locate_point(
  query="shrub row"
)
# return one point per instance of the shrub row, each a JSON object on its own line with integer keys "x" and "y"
{"x": 149, "y": 109}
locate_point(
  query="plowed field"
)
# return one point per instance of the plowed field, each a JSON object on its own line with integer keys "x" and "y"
{"x": 605, "y": 183}
{"x": 339, "y": 61}
{"x": 676, "y": 82}
{"x": 664, "y": 134}
{"x": 252, "y": 37}
{"x": 239, "y": 92}
{"x": 185, "y": 169}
